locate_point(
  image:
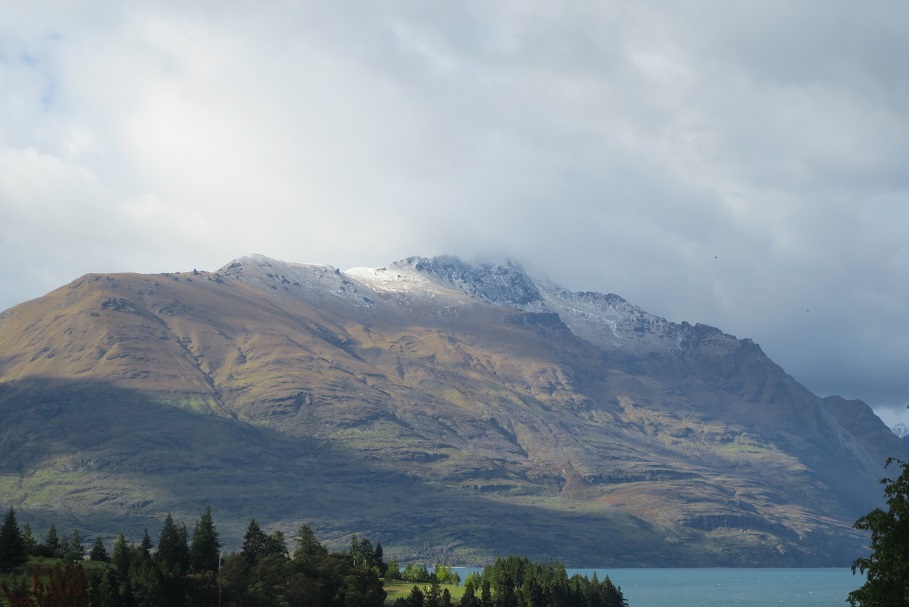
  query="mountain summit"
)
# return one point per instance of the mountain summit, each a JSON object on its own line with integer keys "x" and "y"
{"x": 452, "y": 411}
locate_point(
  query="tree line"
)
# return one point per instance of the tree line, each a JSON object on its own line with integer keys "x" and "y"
{"x": 183, "y": 570}
{"x": 517, "y": 582}
{"x": 188, "y": 570}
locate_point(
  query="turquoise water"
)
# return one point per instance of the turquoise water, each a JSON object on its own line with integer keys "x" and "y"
{"x": 741, "y": 587}
{"x": 728, "y": 587}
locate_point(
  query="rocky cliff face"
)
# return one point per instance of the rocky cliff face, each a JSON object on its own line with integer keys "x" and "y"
{"x": 434, "y": 404}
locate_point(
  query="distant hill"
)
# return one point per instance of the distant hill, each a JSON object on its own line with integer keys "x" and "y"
{"x": 451, "y": 411}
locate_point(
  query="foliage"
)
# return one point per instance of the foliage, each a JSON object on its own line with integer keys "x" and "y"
{"x": 447, "y": 575}
{"x": 261, "y": 576}
{"x": 392, "y": 571}
{"x": 12, "y": 546}
{"x": 257, "y": 545}
{"x": 76, "y": 550}
{"x": 416, "y": 574}
{"x": 64, "y": 585}
{"x": 264, "y": 574}
{"x": 887, "y": 568}
{"x": 205, "y": 548}
{"x": 514, "y": 581}
{"x": 307, "y": 544}
{"x": 52, "y": 541}
{"x": 98, "y": 551}
{"x": 28, "y": 539}
{"x": 173, "y": 553}
{"x": 362, "y": 553}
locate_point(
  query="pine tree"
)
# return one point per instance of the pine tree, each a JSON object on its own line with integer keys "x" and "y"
{"x": 146, "y": 545}
{"x": 63, "y": 550}
{"x": 255, "y": 543}
{"x": 307, "y": 544}
{"x": 12, "y": 548}
{"x": 276, "y": 545}
{"x": 76, "y": 549}
{"x": 173, "y": 553}
{"x": 99, "y": 553}
{"x": 469, "y": 598}
{"x": 120, "y": 558}
{"x": 379, "y": 559}
{"x": 205, "y": 549}
{"x": 52, "y": 541}
{"x": 28, "y": 539}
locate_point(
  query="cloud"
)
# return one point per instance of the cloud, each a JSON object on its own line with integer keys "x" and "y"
{"x": 737, "y": 165}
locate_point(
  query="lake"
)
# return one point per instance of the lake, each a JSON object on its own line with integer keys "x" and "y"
{"x": 726, "y": 587}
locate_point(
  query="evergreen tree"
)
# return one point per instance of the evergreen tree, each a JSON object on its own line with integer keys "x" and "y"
{"x": 76, "y": 549}
{"x": 52, "y": 541}
{"x": 354, "y": 550}
{"x": 146, "y": 545}
{"x": 12, "y": 548}
{"x": 415, "y": 598}
{"x": 469, "y": 598}
{"x": 64, "y": 547}
{"x": 485, "y": 593}
{"x": 173, "y": 553}
{"x": 307, "y": 544}
{"x": 434, "y": 596}
{"x": 28, "y": 539}
{"x": 205, "y": 548}
{"x": 276, "y": 545}
{"x": 98, "y": 552}
{"x": 255, "y": 543}
{"x": 367, "y": 553}
{"x": 120, "y": 557}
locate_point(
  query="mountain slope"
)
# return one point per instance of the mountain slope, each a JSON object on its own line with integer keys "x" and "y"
{"x": 434, "y": 404}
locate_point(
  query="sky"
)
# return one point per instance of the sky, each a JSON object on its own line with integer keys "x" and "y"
{"x": 739, "y": 164}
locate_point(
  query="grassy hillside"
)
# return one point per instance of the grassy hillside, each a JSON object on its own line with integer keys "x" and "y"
{"x": 443, "y": 427}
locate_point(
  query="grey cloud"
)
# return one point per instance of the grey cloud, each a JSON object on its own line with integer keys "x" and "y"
{"x": 711, "y": 162}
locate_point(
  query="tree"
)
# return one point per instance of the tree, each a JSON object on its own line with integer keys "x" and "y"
{"x": 173, "y": 553}
{"x": 469, "y": 599}
{"x": 205, "y": 547}
{"x": 120, "y": 557}
{"x": 52, "y": 541}
{"x": 255, "y": 543}
{"x": 12, "y": 547}
{"x": 414, "y": 599}
{"x": 99, "y": 552}
{"x": 379, "y": 559}
{"x": 276, "y": 545}
{"x": 887, "y": 568}
{"x": 393, "y": 570}
{"x": 28, "y": 539}
{"x": 76, "y": 549}
{"x": 307, "y": 544}
{"x": 146, "y": 545}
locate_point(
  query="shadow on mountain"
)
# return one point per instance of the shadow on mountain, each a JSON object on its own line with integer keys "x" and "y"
{"x": 103, "y": 459}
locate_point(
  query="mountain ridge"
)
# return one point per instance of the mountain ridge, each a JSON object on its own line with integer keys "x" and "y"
{"x": 473, "y": 382}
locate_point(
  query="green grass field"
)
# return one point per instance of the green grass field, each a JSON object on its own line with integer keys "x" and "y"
{"x": 397, "y": 590}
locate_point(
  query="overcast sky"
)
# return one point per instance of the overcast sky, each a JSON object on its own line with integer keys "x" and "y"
{"x": 739, "y": 164}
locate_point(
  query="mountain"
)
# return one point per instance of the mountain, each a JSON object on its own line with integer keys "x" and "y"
{"x": 449, "y": 410}
{"x": 901, "y": 430}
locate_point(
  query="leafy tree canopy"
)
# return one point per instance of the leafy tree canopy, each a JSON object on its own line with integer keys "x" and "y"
{"x": 887, "y": 568}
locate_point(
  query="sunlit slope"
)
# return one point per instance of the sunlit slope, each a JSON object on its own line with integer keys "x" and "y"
{"x": 436, "y": 413}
